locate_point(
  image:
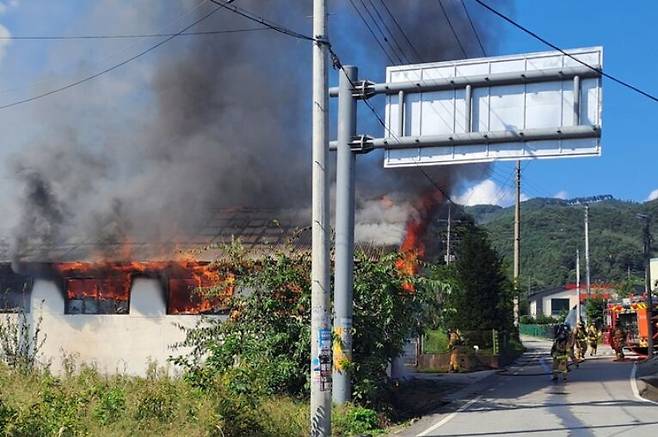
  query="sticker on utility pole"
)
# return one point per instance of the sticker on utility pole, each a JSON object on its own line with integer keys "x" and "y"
{"x": 322, "y": 364}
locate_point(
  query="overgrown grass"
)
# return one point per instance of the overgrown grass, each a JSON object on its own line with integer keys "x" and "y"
{"x": 37, "y": 403}
{"x": 87, "y": 403}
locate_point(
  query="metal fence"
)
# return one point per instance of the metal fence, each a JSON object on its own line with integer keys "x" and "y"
{"x": 487, "y": 339}
{"x": 543, "y": 331}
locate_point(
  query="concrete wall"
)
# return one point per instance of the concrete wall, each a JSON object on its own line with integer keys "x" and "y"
{"x": 121, "y": 343}
{"x": 565, "y": 294}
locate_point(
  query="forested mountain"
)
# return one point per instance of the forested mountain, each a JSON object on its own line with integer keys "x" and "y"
{"x": 552, "y": 230}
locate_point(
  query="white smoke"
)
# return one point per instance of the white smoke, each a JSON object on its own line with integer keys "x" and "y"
{"x": 382, "y": 221}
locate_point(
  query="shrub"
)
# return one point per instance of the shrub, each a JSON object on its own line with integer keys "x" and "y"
{"x": 540, "y": 320}
{"x": 348, "y": 420}
{"x": 435, "y": 342}
{"x": 527, "y": 319}
{"x": 20, "y": 345}
{"x": 111, "y": 405}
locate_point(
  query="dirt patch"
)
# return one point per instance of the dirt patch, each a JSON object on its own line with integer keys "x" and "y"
{"x": 420, "y": 397}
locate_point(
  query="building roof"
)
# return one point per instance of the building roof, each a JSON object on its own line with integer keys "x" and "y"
{"x": 256, "y": 229}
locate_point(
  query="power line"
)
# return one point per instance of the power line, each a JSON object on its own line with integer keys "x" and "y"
{"x": 454, "y": 32}
{"x": 397, "y": 24}
{"x": 399, "y": 54}
{"x": 372, "y": 32}
{"x": 383, "y": 21}
{"x": 553, "y": 46}
{"x": 129, "y": 36}
{"x": 109, "y": 69}
{"x": 270, "y": 24}
{"x": 477, "y": 36}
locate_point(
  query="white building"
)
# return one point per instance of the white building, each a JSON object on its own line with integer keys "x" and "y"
{"x": 552, "y": 302}
{"x": 124, "y": 342}
{"x": 113, "y": 314}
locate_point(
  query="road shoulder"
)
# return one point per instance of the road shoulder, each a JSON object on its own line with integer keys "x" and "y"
{"x": 647, "y": 379}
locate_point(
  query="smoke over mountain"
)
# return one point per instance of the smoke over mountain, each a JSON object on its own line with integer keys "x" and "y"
{"x": 208, "y": 122}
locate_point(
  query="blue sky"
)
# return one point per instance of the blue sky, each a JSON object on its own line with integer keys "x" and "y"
{"x": 626, "y": 30}
{"x": 628, "y": 167}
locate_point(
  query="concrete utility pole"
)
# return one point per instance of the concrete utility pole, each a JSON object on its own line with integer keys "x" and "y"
{"x": 342, "y": 388}
{"x": 517, "y": 242}
{"x": 320, "y": 321}
{"x": 578, "y": 284}
{"x": 647, "y": 280}
{"x": 587, "y": 271}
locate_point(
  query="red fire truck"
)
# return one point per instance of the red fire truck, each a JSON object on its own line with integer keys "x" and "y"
{"x": 632, "y": 314}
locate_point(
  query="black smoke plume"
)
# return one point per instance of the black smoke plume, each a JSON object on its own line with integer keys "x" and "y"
{"x": 222, "y": 121}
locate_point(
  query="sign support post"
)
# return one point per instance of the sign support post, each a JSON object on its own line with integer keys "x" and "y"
{"x": 344, "y": 264}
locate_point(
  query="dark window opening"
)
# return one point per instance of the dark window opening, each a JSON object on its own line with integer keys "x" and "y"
{"x": 559, "y": 306}
{"x": 14, "y": 291}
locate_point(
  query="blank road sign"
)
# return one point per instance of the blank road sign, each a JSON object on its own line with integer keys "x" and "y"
{"x": 515, "y": 107}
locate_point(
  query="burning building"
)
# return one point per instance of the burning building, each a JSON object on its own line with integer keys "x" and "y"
{"x": 120, "y": 314}
{"x": 113, "y": 181}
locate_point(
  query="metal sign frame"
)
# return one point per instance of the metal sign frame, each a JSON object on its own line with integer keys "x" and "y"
{"x": 529, "y": 106}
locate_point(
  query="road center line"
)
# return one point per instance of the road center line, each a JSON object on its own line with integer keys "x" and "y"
{"x": 450, "y": 416}
{"x": 636, "y": 392}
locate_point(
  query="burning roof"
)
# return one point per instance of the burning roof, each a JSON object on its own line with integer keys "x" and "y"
{"x": 258, "y": 230}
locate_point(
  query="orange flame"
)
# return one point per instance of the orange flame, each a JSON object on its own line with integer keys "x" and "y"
{"x": 113, "y": 280}
{"x": 413, "y": 248}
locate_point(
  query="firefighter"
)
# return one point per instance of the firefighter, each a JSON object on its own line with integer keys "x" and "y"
{"x": 454, "y": 341}
{"x": 560, "y": 352}
{"x": 580, "y": 342}
{"x": 571, "y": 343}
{"x": 618, "y": 342}
{"x": 593, "y": 336}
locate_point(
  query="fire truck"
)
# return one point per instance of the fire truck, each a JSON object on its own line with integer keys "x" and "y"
{"x": 632, "y": 315}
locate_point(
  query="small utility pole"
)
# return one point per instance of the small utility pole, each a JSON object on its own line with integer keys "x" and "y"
{"x": 448, "y": 236}
{"x": 517, "y": 242}
{"x": 587, "y": 271}
{"x": 647, "y": 280}
{"x": 320, "y": 320}
{"x": 578, "y": 313}
{"x": 342, "y": 387}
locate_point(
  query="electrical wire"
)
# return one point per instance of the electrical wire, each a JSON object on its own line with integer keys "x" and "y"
{"x": 270, "y": 24}
{"x": 452, "y": 29}
{"x": 114, "y": 55}
{"x": 553, "y": 46}
{"x": 470, "y": 20}
{"x": 397, "y": 24}
{"x": 111, "y": 68}
{"x": 372, "y": 32}
{"x": 392, "y": 34}
{"x": 127, "y": 36}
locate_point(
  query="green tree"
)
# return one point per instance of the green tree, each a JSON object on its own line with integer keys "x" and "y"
{"x": 594, "y": 310}
{"x": 482, "y": 299}
{"x": 263, "y": 348}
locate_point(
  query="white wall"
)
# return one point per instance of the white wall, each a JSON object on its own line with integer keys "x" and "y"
{"x": 115, "y": 343}
{"x": 533, "y": 308}
{"x": 565, "y": 294}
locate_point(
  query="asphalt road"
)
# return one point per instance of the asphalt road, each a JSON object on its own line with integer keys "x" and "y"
{"x": 599, "y": 399}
